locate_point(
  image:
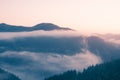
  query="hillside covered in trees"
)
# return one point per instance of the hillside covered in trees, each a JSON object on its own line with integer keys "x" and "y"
{"x": 106, "y": 71}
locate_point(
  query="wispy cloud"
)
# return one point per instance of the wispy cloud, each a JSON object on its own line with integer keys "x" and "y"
{"x": 54, "y": 33}
{"x": 41, "y": 65}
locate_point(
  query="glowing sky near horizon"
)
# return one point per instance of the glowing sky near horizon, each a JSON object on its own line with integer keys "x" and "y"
{"x": 87, "y": 16}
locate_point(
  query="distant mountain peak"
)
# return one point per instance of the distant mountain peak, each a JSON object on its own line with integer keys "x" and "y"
{"x": 3, "y": 24}
{"x": 49, "y": 26}
{"x": 46, "y": 24}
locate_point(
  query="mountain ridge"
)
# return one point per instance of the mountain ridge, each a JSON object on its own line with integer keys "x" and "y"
{"x": 42, "y": 26}
{"x": 4, "y": 75}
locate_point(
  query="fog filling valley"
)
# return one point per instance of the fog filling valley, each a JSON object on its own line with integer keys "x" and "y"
{"x": 38, "y": 54}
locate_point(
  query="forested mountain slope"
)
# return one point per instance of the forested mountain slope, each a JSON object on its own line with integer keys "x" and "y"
{"x": 105, "y": 71}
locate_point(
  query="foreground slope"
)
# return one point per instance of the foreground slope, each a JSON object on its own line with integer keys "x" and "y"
{"x": 4, "y": 75}
{"x": 106, "y": 71}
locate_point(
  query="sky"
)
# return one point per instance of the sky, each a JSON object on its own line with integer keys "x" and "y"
{"x": 87, "y": 16}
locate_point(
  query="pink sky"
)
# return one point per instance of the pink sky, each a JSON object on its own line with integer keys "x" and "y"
{"x": 88, "y": 16}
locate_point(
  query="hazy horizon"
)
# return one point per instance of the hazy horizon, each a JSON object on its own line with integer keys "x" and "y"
{"x": 87, "y": 16}
{"x": 71, "y": 39}
{"x": 76, "y": 30}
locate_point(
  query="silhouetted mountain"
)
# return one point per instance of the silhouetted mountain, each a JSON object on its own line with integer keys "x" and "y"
{"x": 106, "y": 71}
{"x": 43, "y": 26}
{"x": 11, "y": 28}
{"x": 48, "y": 26}
{"x": 4, "y": 75}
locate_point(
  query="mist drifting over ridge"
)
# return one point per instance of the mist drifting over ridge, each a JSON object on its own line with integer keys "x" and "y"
{"x": 60, "y": 50}
{"x": 77, "y": 39}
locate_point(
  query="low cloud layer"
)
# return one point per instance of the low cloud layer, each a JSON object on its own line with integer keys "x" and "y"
{"x": 112, "y": 38}
{"x": 39, "y": 54}
{"x": 42, "y": 65}
{"x": 54, "y": 33}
